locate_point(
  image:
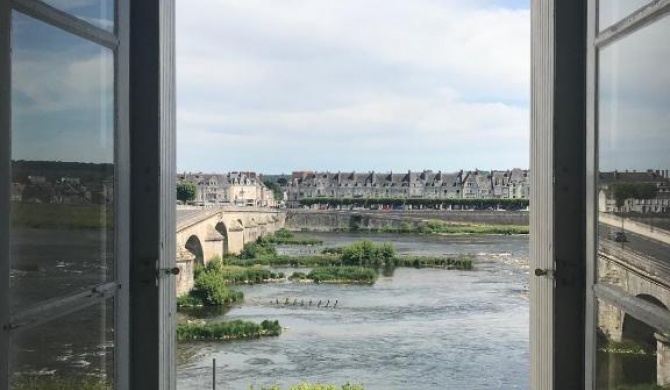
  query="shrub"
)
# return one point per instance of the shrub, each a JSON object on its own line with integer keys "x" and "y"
{"x": 343, "y": 275}
{"x": 229, "y": 330}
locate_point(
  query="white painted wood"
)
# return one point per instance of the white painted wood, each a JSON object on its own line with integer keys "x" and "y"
{"x": 643, "y": 17}
{"x": 591, "y": 199}
{"x": 541, "y": 193}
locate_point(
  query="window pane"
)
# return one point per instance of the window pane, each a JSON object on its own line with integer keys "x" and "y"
{"x": 612, "y": 11}
{"x": 62, "y": 233}
{"x": 630, "y": 352}
{"x": 73, "y": 352}
{"x": 634, "y": 207}
{"x": 97, "y": 12}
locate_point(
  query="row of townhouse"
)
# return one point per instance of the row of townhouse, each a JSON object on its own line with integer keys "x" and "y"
{"x": 232, "y": 188}
{"x": 659, "y": 202}
{"x": 64, "y": 190}
{"x": 509, "y": 184}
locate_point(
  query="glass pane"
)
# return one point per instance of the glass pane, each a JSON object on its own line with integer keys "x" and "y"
{"x": 631, "y": 354}
{"x": 634, "y": 203}
{"x": 612, "y": 11}
{"x": 73, "y": 352}
{"x": 97, "y": 12}
{"x": 62, "y": 233}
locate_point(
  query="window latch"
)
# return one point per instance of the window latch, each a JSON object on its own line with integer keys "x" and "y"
{"x": 549, "y": 273}
{"x": 166, "y": 272}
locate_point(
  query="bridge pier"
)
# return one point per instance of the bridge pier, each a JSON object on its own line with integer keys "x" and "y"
{"x": 213, "y": 246}
{"x": 610, "y": 321}
{"x": 235, "y": 241}
{"x": 185, "y": 262}
{"x": 662, "y": 359}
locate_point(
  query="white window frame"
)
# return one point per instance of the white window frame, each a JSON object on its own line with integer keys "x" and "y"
{"x": 144, "y": 184}
{"x": 118, "y": 288}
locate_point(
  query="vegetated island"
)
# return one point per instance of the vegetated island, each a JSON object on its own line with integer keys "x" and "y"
{"x": 337, "y": 275}
{"x": 227, "y": 330}
{"x": 312, "y": 386}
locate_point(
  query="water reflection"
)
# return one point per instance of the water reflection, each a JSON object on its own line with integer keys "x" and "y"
{"x": 634, "y": 204}
{"x": 62, "y": 203}
{"x": 62, "y": 173}
{"x": 73, "y": 352}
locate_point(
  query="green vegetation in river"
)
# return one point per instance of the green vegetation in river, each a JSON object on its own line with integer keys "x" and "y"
{"x": 210, "y": 288}
{"x": 61, "y": 216}
{"x": 55, "y": 383}
{"x": 285, "y": 237}
{"x": 312, "y": 386}
{"x": 343, "y": 275}
{"x": 227, "y": 331}
{"x": 363, "y": 253}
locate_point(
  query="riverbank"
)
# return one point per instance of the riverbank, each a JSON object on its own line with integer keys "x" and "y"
{"x": 394, "y": 221}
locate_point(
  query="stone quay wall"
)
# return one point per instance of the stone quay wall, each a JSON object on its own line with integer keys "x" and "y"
{"x": 332, "y": 220}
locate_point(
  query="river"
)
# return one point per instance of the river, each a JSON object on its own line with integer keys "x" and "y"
{"x": 418, "y": 329}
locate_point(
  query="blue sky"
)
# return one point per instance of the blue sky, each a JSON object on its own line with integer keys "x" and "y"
{"x": 276, "y": 86}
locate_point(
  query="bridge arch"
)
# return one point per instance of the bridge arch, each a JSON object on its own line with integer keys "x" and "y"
{"x": 644, "y": 369}
{"x": 194, "y": 246}
{"x": 223, "y": 230}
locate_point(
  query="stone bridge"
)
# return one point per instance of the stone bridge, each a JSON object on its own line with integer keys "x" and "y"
{"x": 203, "y": 234}
{"x": 634, "y": 287}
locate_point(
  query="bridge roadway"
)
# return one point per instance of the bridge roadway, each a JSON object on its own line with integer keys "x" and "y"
{"x": 654, "y": 250}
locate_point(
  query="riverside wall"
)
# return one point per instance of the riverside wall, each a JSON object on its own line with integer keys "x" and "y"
{"x": 320, "y": 220}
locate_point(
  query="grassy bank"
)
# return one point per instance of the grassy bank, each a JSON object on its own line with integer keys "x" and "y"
{"x": 61, "y": 216}
{"x": 343, "y": 275}
{"x": 337, "y": 275}
{"x": 285, "y": 237}
{"x": 227, "y": 331}
{"x": 56, "y": 383}
{"x": 312, "y": 386}
{"x": 307, "y": 261}
{"x": 440, "y": 227}
{"x": 235, "y": 274}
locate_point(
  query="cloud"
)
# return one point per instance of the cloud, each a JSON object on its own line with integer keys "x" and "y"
{"x": 441, "y": 82}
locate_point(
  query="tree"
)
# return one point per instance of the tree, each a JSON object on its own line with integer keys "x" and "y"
{"x": 623, "y": 191}
{"x": 186, "y": 192}
{"x": 275, "y": 188}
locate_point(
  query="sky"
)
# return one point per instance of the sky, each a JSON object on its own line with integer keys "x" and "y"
{"x": 386, "y": 85}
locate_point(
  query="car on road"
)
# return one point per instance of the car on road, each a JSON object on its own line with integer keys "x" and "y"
{"x": 620, "y": 237}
